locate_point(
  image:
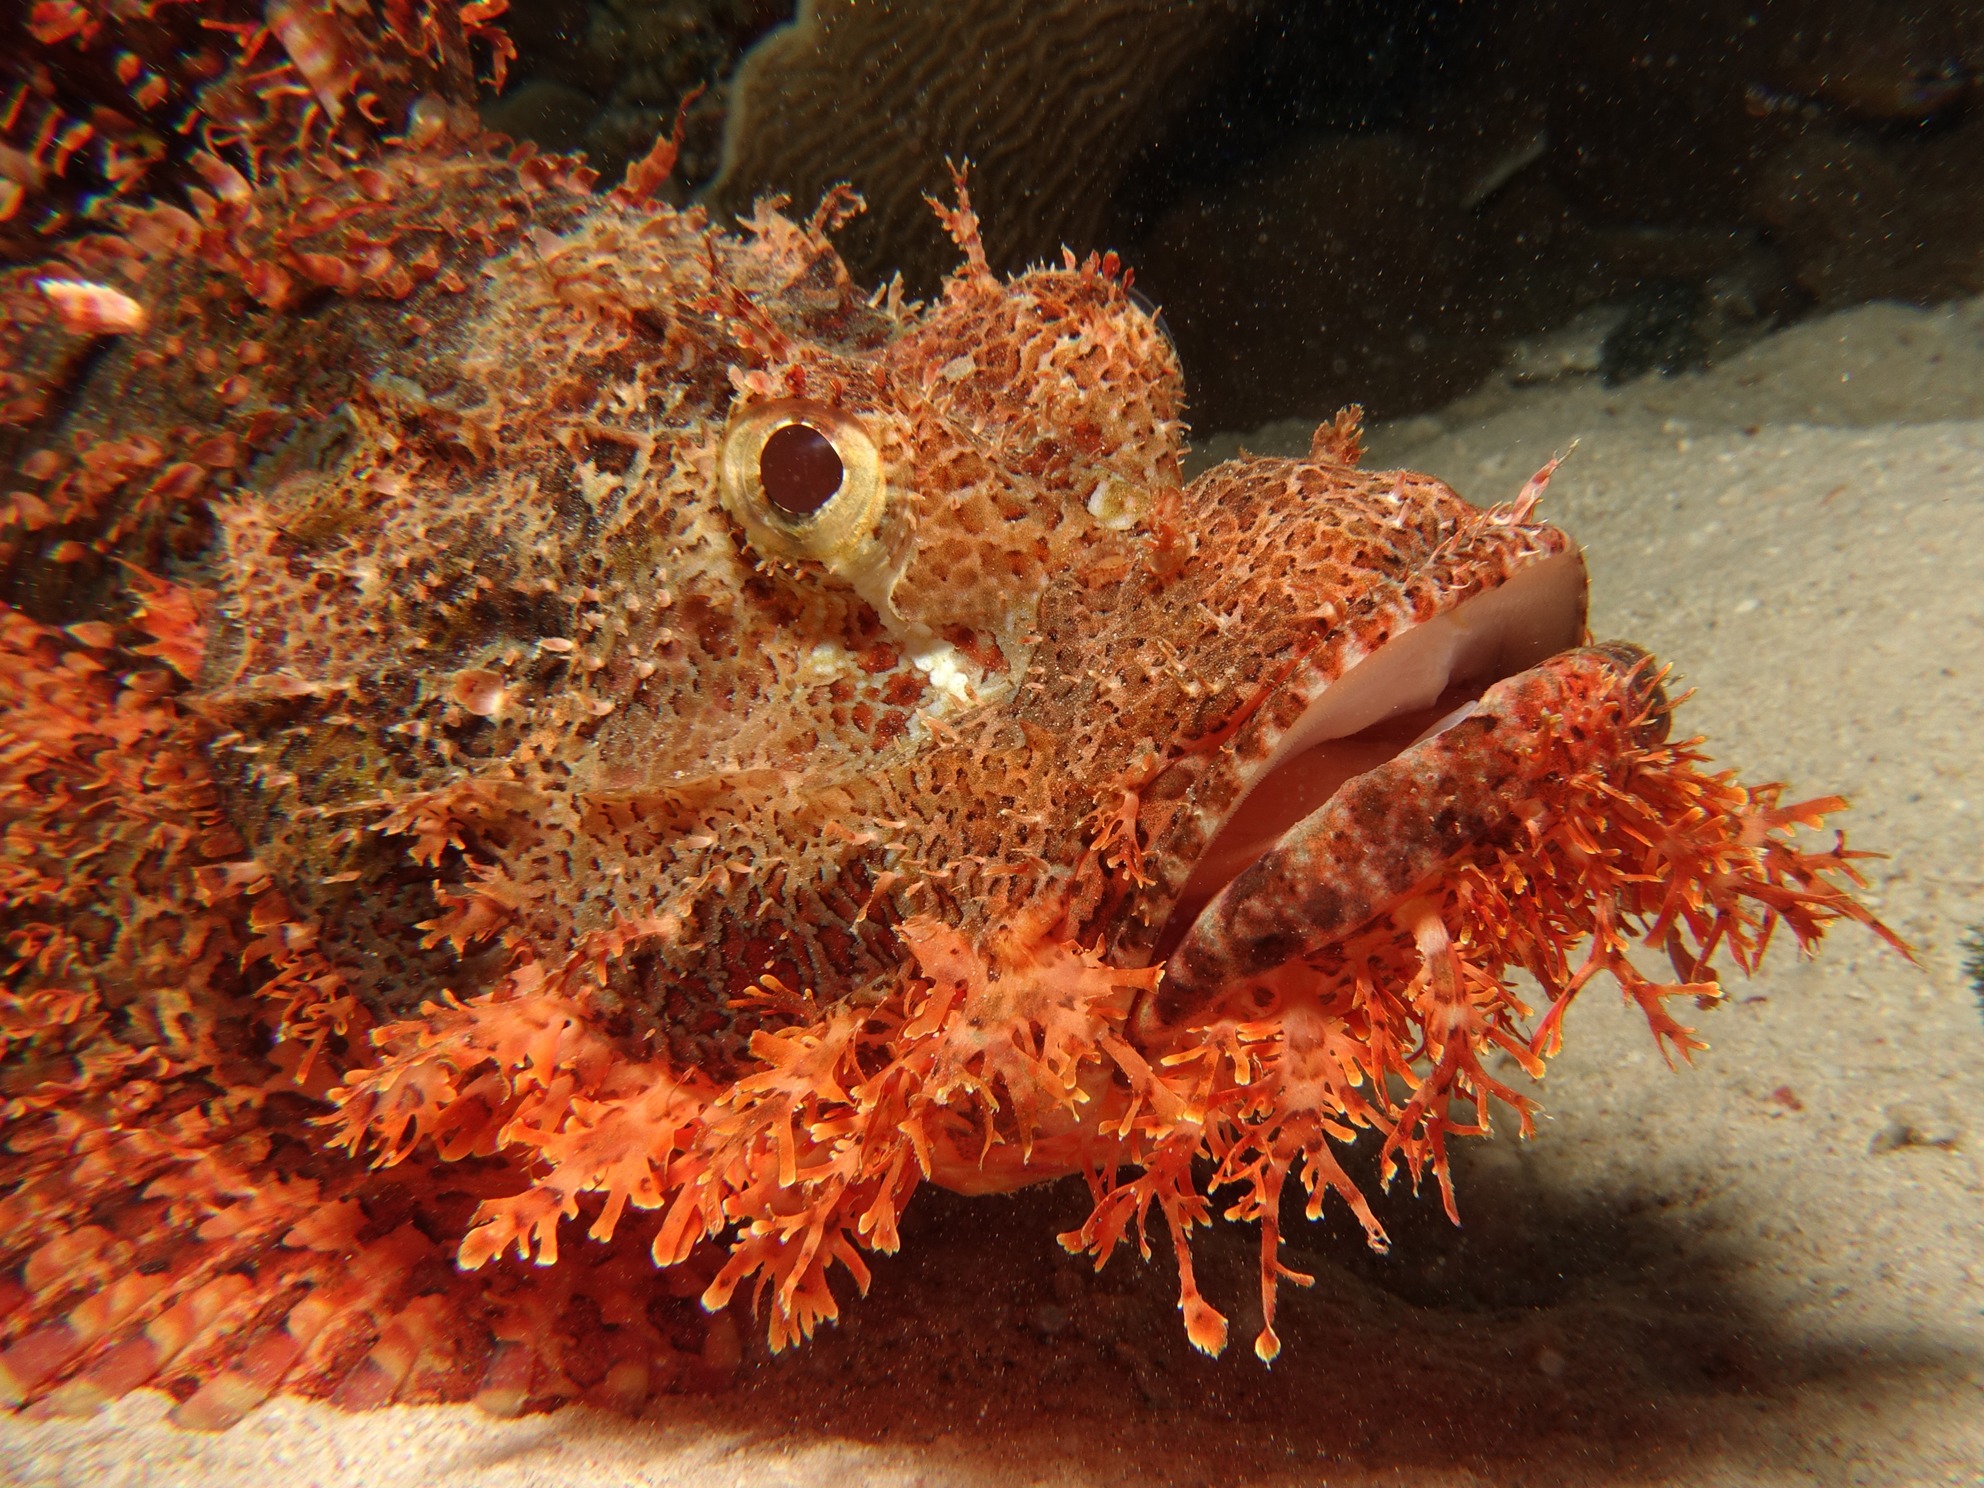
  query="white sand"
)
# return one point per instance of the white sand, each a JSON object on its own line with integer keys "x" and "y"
{"x": 1764, "y": 1269}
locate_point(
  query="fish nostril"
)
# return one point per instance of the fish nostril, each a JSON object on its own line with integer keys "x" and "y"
{"x": 799, "y": 469}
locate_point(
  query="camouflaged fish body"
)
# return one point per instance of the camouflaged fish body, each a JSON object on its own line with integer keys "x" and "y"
{"x": 540, "y": 730}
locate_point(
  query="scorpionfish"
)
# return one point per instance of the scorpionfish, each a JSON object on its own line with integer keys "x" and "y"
{"x": 559, "y": 762}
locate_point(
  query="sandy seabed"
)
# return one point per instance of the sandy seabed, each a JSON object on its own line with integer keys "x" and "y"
{"x": 1766, "y": 1268}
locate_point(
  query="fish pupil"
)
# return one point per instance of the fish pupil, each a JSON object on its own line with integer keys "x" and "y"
{"x": 799, "y": 469}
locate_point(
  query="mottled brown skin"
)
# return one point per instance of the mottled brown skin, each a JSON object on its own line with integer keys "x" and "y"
{"x": 666, "y": 754}
{"x": 534, "y": 465}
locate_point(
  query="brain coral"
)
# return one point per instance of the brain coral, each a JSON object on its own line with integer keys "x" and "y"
{"x": 1049, "y": 102}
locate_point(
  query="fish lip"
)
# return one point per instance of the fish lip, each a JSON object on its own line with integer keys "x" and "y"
{"x": 1521, "y": 759}
{"x": 1531, "y": 593}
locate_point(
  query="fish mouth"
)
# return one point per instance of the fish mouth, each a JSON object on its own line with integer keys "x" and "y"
{"x": 1420, "y": 682}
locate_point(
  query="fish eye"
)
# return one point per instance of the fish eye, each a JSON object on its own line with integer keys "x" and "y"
{"x": 804, "y": 480}
{"x": 799, "y": 469}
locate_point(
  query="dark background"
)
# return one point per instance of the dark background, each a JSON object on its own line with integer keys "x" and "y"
{"x": 1343, "y": 199}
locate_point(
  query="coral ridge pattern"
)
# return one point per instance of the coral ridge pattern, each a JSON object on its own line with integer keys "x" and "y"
{"x": 558, "y": 763}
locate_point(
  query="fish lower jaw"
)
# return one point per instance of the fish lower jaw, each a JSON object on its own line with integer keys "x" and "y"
{"x": 1420, "y": 683}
